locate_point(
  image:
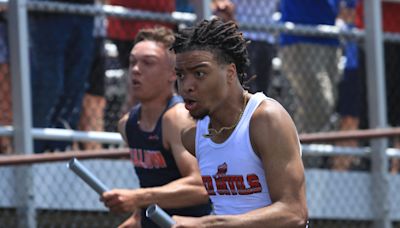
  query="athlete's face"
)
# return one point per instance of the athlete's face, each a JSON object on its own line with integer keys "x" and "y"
{"x": 202, "y": 81}
{"x": 151, "y": 69}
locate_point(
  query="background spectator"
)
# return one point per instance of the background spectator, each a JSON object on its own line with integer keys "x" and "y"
{"x": 61, "y": 54}
{"x": 5, "y": 85}
{"x": 262, "y": 44}
{"x": 261, "y": 48}
{"x": 94, "y": 101}
{"x": 185, "y": 6}
{"x": 349, "y": 88}
{"x": 311, "y": 63}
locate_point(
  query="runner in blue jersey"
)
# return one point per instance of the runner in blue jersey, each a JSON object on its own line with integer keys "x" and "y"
{"x": 168, "y": 173}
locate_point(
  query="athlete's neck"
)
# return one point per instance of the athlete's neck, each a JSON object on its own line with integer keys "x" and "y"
{"x": 150, "y": 113}
{"x": 221, "y": 128}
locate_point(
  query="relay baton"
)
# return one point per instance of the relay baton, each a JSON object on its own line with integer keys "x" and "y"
{"x": 87, "y": 176}
{"x": 159, "y": 216}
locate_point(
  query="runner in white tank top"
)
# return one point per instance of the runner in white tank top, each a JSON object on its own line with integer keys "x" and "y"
{"x": 232, "y": 173}
{"x": 246, "y": 145}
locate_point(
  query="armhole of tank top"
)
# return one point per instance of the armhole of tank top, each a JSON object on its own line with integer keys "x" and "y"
{"x": 171, "y": 103}
{"x": 134, "y": 110}
{"x": 128, "y": 122}
{"x": 196, "y": 140}
{"x": 261, "y": 97}
{"x": 198, "y": 137}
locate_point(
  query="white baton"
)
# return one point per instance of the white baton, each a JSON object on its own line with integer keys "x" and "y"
{"x": 159, "y": 216}
{"x": 87, "y": 176}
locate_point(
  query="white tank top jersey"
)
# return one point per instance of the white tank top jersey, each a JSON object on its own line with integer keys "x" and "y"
{"x": 232, "y": 172}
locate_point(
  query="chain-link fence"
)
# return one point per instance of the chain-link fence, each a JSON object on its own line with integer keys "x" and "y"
{"x": 78, "y": 70}
{"x": 322, "y": 84}
{"x": 59, "y": 197}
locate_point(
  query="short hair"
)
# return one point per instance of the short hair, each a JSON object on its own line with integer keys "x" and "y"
{"x": 220, "y": 38}
{"x": 158, "y": 34}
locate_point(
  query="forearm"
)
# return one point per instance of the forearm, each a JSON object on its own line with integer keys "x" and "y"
{"x": 184, "y": 192}
{"x": 277, "y": 215}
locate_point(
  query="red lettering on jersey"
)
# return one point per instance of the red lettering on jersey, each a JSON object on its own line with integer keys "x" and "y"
{"x": 238, "y": 182}
{"x": 147, "y": 159}
{"x": 157, "y": 159}
{"x": 222, "y": 188}
{"x": 234, "y": 183}
{"x": 231, "y": 184}
{"x": 208, "y": 184}
{"x": 137, "y": 157}
{"x": 254, "y": 183}
{"x": 246, "y": 191}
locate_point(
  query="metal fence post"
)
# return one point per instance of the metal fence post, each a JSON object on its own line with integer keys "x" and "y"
{"x": 203, "y": 9}
{"x": 21, "y": 100}
{"x": 377, "y": 110}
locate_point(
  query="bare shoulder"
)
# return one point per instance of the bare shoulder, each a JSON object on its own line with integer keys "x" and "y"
{"x": 188, "y": 139}
{"x": 271, "y": 126}
{"x": 271, "y": 111}
{"x": 187, "y": 126}
{"x": 274, "y": 138}
{"x": 177, "y": 116}
{"x": 176, "y": 121}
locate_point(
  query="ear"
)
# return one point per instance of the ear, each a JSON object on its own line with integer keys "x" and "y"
{"x": 231, "y": 72}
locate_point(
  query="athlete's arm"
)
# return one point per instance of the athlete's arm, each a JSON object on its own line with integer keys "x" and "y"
{"x": 122, "y": 126}
{"x": 186, "y": 191}
{"x": 188, "y": 137}
{"x": 274, "y": 138}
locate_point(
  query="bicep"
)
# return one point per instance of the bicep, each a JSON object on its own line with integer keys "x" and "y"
{"x": 275, "y": 139}
{"x": 188, "y": 139}
{"x": 174, "y": 128}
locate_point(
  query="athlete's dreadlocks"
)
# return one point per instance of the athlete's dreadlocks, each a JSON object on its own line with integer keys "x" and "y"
{"x": 220, "y": 38}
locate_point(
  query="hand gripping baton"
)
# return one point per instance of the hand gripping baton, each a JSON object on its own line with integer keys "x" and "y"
{"x": 87, "y": 176}
{"x": 159, "y": 216}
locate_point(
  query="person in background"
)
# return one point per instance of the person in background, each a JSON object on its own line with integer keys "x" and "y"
{"x": 224, "y": 9}
{"x": 246, "y": 144}
{"x": 261, "y": 47}
{"x": 310, "y": 63}
{"x": 5, "y": 85}
{"x": 61, "y": 53}
{"x": 94, "y": 101}
{"x": 185, "y": 6}
{"x": 167, "y": 172}
{"x": 349, "y": 88}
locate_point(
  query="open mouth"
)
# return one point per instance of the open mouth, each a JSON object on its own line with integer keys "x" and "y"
{"x": 190, "y": 104}
{"x": 135, "y": 82}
